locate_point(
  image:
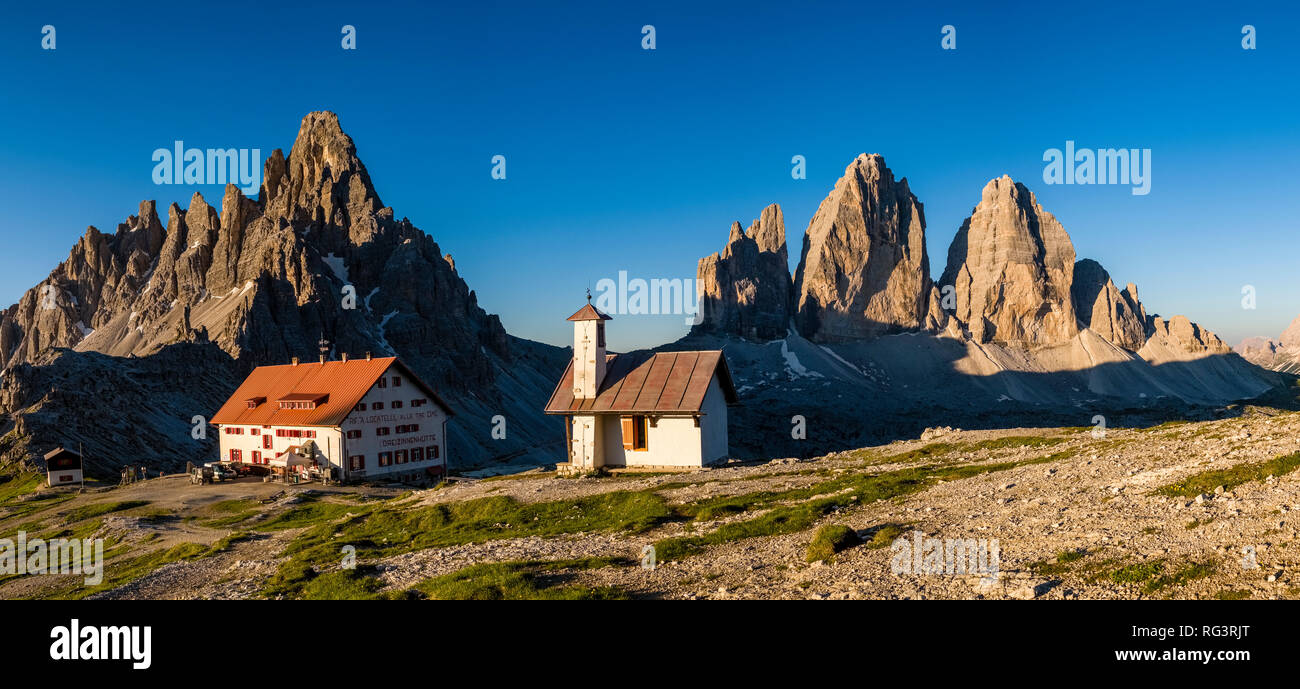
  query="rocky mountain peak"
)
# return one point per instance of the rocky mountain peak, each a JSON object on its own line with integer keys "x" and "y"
{"x": 1190, "y": 337}
{"x": 262, "y": 280}
{"x": 1012, "y": 267}
{"x": 864, "y": 269}
{"x": 328, "y": 184}
{"x": 1114, "y": 314}
{"x": 745, "y": 290}
{"x": 768, "y": 231}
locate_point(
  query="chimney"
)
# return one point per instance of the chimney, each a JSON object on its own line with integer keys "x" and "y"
{"x": 344, "y": 357}
{"x": 295, "y": 361}
{"x": 367, "y": 356}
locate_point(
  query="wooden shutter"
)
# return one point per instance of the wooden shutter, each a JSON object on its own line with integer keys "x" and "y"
{"x": 639, "y": 442}
{"x": 628, "y": 433}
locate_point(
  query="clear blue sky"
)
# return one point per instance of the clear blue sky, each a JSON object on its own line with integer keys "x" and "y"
{"x": 624, "y": 159}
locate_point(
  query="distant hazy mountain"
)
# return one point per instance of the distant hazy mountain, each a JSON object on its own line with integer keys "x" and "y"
{"x": 1282, "y": 354}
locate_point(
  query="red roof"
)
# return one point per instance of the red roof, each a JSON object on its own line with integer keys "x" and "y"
{"x": 344, "y": 382}
{"x": 589, "y": 313}
{"x": 648, "y": 383}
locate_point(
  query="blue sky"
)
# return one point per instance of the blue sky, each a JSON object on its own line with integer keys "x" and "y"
{"x": 620, "y": 158}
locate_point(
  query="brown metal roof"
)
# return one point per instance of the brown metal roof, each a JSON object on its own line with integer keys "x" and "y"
{"x": 345, "y": 383}
{"x": 648, "y": 383}
{"x": 58, "y": 450}
{"x": 589, "y": 313}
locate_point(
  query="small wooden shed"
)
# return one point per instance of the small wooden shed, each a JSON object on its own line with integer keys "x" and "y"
{"x": 63, "y": 467}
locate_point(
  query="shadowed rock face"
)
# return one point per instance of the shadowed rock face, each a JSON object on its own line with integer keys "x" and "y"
{"x": 745, "y": 290}
{"x": 1115, "y": 314}
{"x": 864, "y": 270}
{"x": 1012, "y": 266}
{"x": 316, "y": 255}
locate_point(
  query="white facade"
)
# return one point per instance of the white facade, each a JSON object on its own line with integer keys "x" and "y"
{"x": 258, "y": 445}
{"x": 671, "y": 441}
{"x": 588, "y": 357}
{"x": 673, "y": 433}
{"x": 401, "y": 440}
{"x": 64, "y": 477}
{"x": 428, "y": 437}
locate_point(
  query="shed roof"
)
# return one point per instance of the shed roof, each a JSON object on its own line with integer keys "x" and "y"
{"x": 345, "y": 383}
{"x": 648, "y": 383}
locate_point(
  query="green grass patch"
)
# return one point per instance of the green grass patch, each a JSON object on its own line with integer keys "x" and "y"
{"x": 82, "y": 530}
{"x": 17, "y": 485}
{"x": 97, "y": 509}
{"x": 127, "y": 570}
{"x": 519, "y": 581}
{"x": 935, "y": 450}
{"x": 1155, "y": 576}
{"x": 383, "y": 530}
{"x": 228, "y": 513}
{"x": 829, "y": 540}
{"x": 1207, "y": 481}
{"x": 1230, "y": 594}
{"x": 308, "y": 513}
{"x": 1141, "y": 573}
{"x": 344, "y": 584}
{"x": 20, "y": 495}
{"x": 228, "y": 542}
{"x": 819, "y": 500}
{"x": 1059, "y": 565}
{"x": 884, "y": 535}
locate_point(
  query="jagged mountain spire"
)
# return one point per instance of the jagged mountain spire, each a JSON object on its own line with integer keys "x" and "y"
{"x": 864, "y": 269}
{"x": 315, "y": 256}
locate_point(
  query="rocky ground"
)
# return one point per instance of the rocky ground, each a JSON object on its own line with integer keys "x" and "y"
{"x": 1074, "y": 516}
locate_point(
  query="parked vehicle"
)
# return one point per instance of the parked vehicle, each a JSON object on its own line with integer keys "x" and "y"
{"x": 221, "y": 471}
{"x": 224, "y": 472}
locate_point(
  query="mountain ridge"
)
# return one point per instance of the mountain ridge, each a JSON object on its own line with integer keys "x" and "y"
{"x": 315, "y": 256}
{"x": 1017, "y": 331}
